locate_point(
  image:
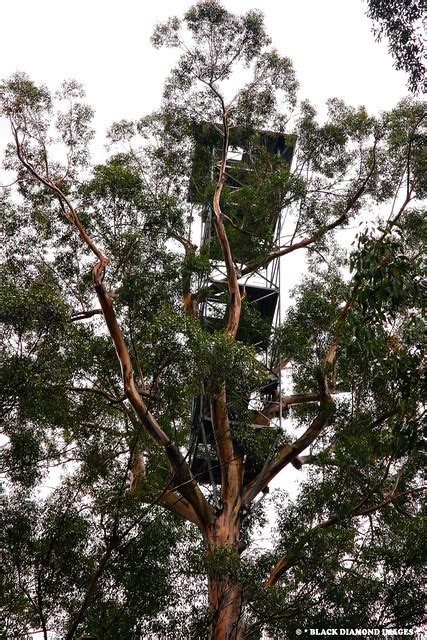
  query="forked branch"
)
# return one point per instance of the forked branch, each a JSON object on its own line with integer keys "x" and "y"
{"x": 183, "y": 478}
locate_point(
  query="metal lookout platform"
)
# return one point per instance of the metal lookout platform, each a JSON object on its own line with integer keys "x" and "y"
{"x": 260, "y": 290}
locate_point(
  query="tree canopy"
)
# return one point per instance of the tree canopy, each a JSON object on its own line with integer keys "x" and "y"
{"x": 401, "y": 22}
{"x": 107, "y": 528}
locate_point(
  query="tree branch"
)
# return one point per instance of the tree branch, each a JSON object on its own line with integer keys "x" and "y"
{"x": 231, "y": 464}
{"x": 179, "y": 505}
{"x": 91, "y": 588}
{"x": 183, "y": 477}
{"x": 288, "y": 452}
{"x": 282, "y": 251}
{"x": 272, "y": 408}
{"x": 232, "y": 277}
{"x": 81, "y": 315}
{"x": 98, "y": 392}
{"x": 169, "y": 499}
{"x": 290, "y": 558}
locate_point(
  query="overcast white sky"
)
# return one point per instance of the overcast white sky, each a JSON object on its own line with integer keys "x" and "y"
{"x": 105, "y": 45}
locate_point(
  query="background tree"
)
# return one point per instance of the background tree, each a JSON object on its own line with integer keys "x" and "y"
{"x": 105, "y": 350}
{"x": 401, "y": 22}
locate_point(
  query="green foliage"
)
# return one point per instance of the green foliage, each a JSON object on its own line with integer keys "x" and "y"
{"x": 257, "y": 444}
{"x": 401, "y": 23}
{"x": 52, "y": 549}
{"x": 354, "y": 554}
{"x": 223, "y": 563}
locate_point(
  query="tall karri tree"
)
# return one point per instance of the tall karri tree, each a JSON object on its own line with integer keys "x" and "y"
{"x": 126, "y": 339}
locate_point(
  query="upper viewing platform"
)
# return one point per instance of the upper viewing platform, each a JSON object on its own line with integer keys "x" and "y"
{"x": 257, "y": 167}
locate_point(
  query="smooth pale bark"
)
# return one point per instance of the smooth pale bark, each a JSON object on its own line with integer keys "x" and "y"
{"x": 225, "y": 592}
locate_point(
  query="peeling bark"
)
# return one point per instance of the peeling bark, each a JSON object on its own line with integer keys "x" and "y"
{"x": 226, "y": 600}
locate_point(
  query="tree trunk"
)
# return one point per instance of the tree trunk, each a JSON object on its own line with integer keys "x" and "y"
{"x": 226, "y": 600}
{"x": 225, "y": 590}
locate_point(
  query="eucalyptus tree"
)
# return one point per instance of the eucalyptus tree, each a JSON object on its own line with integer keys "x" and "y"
{"x": 106, "y": 348}
{"x": 402, "y": 22}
